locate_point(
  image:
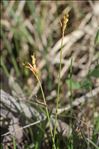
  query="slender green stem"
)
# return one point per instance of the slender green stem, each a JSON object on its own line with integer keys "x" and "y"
{"x": 47, "y": 112}
{"x": 71, "y": 99}
{"x": 63, "y": 24}
{"x": 14, "y": 143}
{"x": 58, "y": 89}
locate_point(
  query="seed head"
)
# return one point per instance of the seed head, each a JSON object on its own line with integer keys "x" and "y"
{"x": 63, "y": 22}
{"x": 32, "y": 66}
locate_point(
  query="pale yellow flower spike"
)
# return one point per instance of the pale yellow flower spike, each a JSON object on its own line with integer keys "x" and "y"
{"x": 63, "y": 22}
{"x": 33, "y": 60}
{"x": 33, "y": 66}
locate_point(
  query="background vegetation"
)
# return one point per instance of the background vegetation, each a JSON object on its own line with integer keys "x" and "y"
{"x": 33, "y": 27}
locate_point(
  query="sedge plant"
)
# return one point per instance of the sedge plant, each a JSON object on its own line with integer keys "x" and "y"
{"x": 35, "y": 72}
{"x": 63, "y": 24}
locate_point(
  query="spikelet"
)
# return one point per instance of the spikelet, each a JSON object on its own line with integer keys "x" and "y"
{"x": 63, "y": 22}
{"x": 33, "y": 66}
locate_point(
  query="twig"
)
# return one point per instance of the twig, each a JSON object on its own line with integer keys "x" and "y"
{"x": 26, "y": 126}
{"x": 88, "y": 97}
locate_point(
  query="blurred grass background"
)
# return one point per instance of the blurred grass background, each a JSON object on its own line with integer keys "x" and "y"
{"x": 29, "y": 27}
{"x": 32, "y": 27}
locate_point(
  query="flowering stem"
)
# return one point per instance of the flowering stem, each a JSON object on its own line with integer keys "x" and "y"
{"x": 34, "y": 70}
{"x": 47, "y": 112}
{"x": 63, "y": 23}
{"x": 59, "y": 83}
